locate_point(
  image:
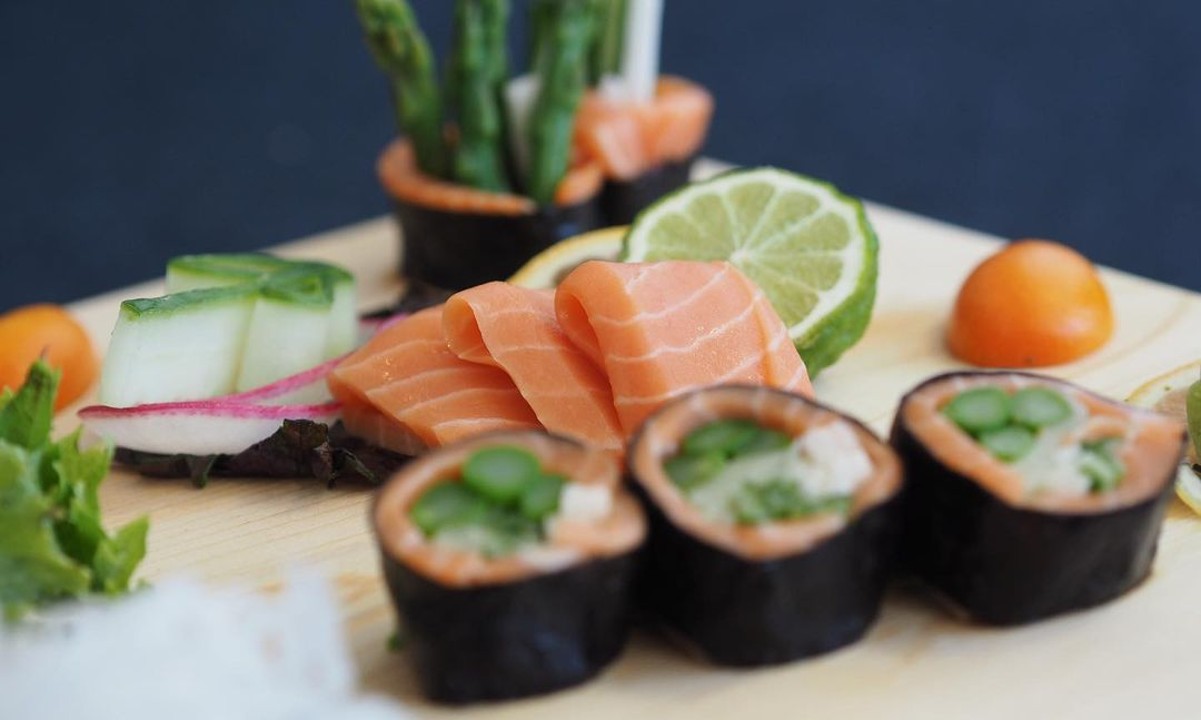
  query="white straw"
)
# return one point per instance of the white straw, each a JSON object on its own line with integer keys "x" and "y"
{"x": 640, "y": 58}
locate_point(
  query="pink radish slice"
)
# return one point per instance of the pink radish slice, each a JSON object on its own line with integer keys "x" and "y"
{"x": 198, "y": 427}
{"x": 305, "y": 387}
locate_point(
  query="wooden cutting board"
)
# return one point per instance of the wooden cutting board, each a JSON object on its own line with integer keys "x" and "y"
{"x": 1139, "y": 656}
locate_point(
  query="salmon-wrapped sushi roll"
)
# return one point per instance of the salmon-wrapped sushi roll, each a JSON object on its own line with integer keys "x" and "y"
{"x": 1028, "y": 496}
{"x": 510, "y": 559}
{"x": 772, "y": 523}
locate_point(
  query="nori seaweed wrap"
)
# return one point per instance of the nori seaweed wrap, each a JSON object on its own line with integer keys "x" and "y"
{"x": 1016, "y": 531}
{"x": 802, "y": 577}
{"x": 622, "y": 200}
{"x": 490, "y": 611}
{"x": 455, "y": 237}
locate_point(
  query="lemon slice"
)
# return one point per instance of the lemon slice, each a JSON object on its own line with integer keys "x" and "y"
{"x": 808, "y": 246}
{"x": 1169, "y": 393}
{"x": 548, "y": 267}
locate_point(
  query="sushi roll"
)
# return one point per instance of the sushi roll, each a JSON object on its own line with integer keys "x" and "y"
{"x": 772, "y": 523}
{"x": 479, "y": 186}
{"x": 1029, "y": 497}
{"x": 510, "y": 559}
{"x": 456, "y": 237}
{"x": 645, "y": 149}
{"x": 643, "y": 128}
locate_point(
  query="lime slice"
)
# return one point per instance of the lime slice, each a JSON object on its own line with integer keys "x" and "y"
{"x": 548, "y": 267}
{"x": 1168, "y": 393}
{"x": 807, "y": 245}
{"x": 1188, "y": 488}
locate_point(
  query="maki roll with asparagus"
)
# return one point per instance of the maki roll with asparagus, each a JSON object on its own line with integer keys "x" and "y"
{"x": 1028, "y": 496}
{"x": 772, "y": 523}
{"x": 510, "y": 560}
{"x": 643, "y": 129}
{"x": 478, "y": 189}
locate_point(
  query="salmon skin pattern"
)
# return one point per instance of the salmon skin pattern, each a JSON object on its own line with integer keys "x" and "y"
{"x": 591, "y": 361}
{"x": 514, "y": 329}
{"x": 406, "y": 390}
{"x": 661, "y": 329}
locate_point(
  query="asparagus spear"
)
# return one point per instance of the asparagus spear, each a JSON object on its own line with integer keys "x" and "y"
{"x": 478, "y": 69}
{"x": 402, "y": 52}
{"x": 605, "y": 57}
{"x": 565, "y": 29}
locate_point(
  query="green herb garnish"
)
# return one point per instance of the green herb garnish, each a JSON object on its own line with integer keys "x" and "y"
{"x": 53, "y": 545}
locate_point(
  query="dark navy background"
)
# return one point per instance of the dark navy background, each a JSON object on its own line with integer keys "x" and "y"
{"x": 133, "y": 131}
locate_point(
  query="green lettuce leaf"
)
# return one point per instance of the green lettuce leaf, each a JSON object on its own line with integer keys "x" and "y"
{"x": 53, "y": 545}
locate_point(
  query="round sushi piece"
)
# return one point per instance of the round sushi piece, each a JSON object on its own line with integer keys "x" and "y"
{"x": 1028, "y": 496}
{"x": 510, "y": 559}
{"x": 645, "y": 149}
{"x": 455, "y": 237}
{"x": 772, "y": 523}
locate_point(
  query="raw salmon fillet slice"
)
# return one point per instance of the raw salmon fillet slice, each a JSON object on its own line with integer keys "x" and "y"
{"x": 627, "y": 139}
{"x": 405, "y": 390}
{"x": 661, "y": 329}
{"x": 514, "y": 329}
{"x": 400, "y": 176}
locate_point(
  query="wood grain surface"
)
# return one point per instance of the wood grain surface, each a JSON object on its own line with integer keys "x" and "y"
{"x": 1140, "y": 655}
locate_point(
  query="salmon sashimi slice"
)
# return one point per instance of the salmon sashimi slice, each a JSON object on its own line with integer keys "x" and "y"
{"x": 661, "y": 329}
{"x": 400, "y": 176}
{"x": 405, "y": 389}
{"x": 630, "y": 138}
{"x": 515, "y": 329}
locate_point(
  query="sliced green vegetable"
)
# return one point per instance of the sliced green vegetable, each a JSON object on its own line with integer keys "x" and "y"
{"x": 240, "y": 321}
{"x": 541, "y": 497}
{"x": 1040, "y": 407}
{"x": 689, "y": 472}
{"x": 765, "y": 440}
{"x": 780, "y": 499}
{"x": 980, "y": 410}
{"x": 1101, "y": 465}
{"x": 1193, "y": 406}
{"x": 446, "y": 505}
{"x": 1008, "y": 444}
{"x": 196, "y": 272}
{"x": 501, "y": 473}
{"x": 723, "y": 436}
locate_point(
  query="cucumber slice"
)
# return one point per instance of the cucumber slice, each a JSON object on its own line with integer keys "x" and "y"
{"x": 343, "y": 333}
{"x": 183, "y": 346}
{"x": 193, "y": 272}
{"x": 283, "y": 339}
{"x": 290, "y": 316}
